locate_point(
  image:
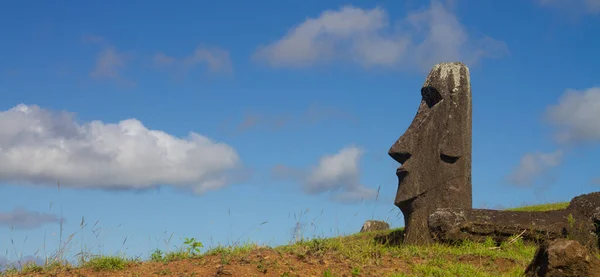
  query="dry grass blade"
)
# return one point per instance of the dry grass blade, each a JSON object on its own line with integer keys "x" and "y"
{"x": 511, "y": 241}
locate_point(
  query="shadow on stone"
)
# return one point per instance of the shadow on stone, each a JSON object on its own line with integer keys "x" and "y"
{"x": 393, "y": 238}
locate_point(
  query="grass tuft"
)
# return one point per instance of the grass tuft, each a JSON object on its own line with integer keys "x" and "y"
{"x": 107, "y": 263}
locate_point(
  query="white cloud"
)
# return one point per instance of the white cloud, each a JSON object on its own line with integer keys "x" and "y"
{"x": 366, "y": 37}
{"x": 215, "y": 59}
{"x": 21, "y": 218}
{"x": 338, "y": 174}
{"x": 532, "y": 165}
{"x": 576, "y": 116}
{"x": 446, "y": 39}
{"x": 581, "y": 6}
{"x": 44, "y": 147}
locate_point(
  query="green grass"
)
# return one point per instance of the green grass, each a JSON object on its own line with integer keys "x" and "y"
{"x": 362, "y": 250}
{"x": 542, "y": 207}
{"x": 359, "y": 251}
{"x": 107, "y": 263}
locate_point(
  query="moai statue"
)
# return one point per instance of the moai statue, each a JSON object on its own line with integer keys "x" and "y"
{"x": 435, "y": 151}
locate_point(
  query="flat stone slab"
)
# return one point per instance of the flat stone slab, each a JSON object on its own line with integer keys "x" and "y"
{"x": 579, "y": 222}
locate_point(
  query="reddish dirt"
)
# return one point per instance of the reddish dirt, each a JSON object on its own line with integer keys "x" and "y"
{"x": 267, "y": 262}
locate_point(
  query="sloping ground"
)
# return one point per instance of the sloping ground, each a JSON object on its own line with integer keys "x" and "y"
{"x": 367, "y": 254}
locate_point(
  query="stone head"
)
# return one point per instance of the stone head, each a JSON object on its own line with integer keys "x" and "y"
{"x": 435, "y": 150}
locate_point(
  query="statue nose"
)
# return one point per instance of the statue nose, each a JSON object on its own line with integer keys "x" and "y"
{"x": 399, "y": 156}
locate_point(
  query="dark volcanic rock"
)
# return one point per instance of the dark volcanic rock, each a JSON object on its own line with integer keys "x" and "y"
{"x": 435, "y": 151}
{"x": 374, "y": 225}
{"x": 563, "y": 258}
{"x": 456, "y": 225}
{"x": 586, "y": 205}
{"x": 578, "y": 222}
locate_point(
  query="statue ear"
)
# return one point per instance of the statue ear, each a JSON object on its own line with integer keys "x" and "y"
{"x": 451, "y": 148}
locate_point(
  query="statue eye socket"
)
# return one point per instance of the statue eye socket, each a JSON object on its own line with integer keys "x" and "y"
{"x": 448, "y": 159}
{"x": 431, "y": 96}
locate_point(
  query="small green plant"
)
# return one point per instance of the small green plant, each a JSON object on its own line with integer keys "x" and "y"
{"x": 193, "y": 246}
{"x": 157, "y": 256}
{"x": 225, "y": 258}
{"x": 327, "y": 273}
{"x": 571, "y": 220}
{"x": 356, "y": 272}
{"x": 489, "y": 242}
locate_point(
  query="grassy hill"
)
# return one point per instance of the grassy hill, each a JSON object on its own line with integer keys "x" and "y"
{"x": 362, "y": 254}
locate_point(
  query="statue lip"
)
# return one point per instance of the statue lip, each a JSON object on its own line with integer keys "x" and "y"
{"x": 401, "y": 171}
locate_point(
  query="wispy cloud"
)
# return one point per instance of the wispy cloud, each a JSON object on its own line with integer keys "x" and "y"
{"x": 216, "y": 60}
{"x": 313, "y": 114}
{"x": 338, "y": 174}
{"x": 109, "y": 62}
{"x": 576, "y": 116}
{"x": 21, "y": 218}
{"x": 575, "y": 122}
{"x": 42, "y": 147}
{"x": 368, "y": 38}
{"x": 533, "y": 165}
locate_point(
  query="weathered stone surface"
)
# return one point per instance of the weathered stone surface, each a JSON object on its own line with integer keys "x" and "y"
{"x": 580, "y": 222}
{"x": 374, "y": 225}
{"x": 456, "y": 225}
{"x": 586, "y": 204}
{"x": 435, "y": 151}
{"x": 563, "y": 258}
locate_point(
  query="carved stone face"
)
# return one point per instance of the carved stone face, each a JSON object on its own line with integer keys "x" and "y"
{"x": 435, "y": 150}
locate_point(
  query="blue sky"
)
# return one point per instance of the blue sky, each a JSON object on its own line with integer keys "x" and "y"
{"x": 208, "y": 119}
